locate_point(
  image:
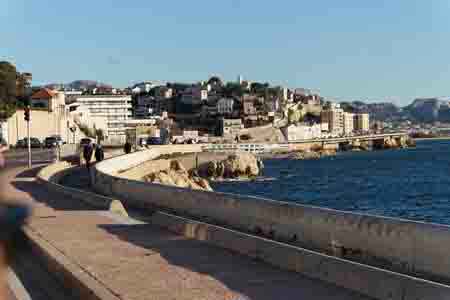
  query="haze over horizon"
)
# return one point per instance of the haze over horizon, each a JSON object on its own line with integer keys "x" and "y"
{"x": 352, "y": 50}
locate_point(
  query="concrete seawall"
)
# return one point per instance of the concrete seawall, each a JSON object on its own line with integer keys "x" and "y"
{"x": 412, "y": 248}
{"x": 374, "y": 282}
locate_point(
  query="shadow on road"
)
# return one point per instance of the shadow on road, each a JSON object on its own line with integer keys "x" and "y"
{"x": 54, "y": 200}
{"x": 252, "y": 278}
{"x": 30, "y": 172}
{"x": 38, "y": 192}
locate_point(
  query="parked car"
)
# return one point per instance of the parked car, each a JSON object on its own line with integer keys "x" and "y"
{"x": 59, "y": 140}
{"x": 154, "y": 141}
{"x": 34, "y": 142}
{"x": 21, "y": 143}
{"x": 50, "y": 142}
{"x": 142, "y": 142}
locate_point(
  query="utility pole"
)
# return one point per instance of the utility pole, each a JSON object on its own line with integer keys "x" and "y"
{"x": 27, "y": 119}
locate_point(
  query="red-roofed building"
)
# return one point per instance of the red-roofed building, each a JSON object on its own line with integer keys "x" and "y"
{"x": 48, "y": 99}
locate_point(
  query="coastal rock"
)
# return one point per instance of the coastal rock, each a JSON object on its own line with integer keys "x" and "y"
{"x": 241, "y": 164}
{"x": 390, "y": 143}
{"x": 307, "y": 155}
{"x": 177, "y": 175}
{"x": 236, "y": 165}
{"x": 211, "y": 168}
{"x": 177, "y": 166}
{"x": 410, "y": 142}
{"x": 327, "y": 152}
{"x": 303, "y": 155}
{"x": 364, "y": 146}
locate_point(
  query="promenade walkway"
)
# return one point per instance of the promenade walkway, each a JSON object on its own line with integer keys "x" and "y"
{"x": 136, "y": 260}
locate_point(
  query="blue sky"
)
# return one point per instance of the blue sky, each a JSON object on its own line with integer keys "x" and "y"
{"x": 377, "y": 50}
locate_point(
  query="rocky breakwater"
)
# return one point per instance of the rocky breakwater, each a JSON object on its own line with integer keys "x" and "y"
{"x": 302, "y": 155}
{"x": 391, "y": 143}
{"x": 177, "y": 175}
{"x": 239, "y": 165}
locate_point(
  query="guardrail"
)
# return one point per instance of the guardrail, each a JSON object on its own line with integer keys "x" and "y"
{"x": 252, "y": 148}
{"x": 350, "y": 138}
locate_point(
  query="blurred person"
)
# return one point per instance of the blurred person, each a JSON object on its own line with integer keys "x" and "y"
{"x": 12, "y": 217}
{"x": 99, "y": 153}
{"x": 87, "y": 154}
{"x": 127, "y": 148}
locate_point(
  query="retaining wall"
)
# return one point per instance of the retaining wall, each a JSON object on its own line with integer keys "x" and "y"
{"x": 374, "y": 282}
{"x": 413, "y": 248}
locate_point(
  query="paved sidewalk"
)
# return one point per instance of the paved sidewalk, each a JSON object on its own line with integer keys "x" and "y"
{"x": 140, "y": 261}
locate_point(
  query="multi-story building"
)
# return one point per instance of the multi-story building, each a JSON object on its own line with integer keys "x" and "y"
{"x": 348, "y": 123}
{"x": 302, "y": 132}
{"x": 49, "y": 116}
{"x": 116, "y": 109}
{"x": 361, "y": 122}
{"x": 23, "y": 84}
{"x": 230, "y": 127}
{"x": 248, "y": 105}
{"x": 225, "y": 106}
{"x": 47, "y": 99}
{"x": 334, "y": 116}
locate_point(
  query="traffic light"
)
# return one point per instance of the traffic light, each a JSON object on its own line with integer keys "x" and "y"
{"x": 27, "y": 114}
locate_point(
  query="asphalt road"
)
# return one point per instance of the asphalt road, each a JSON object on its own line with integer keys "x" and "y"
{"x": 20, "y": 156}
{"x": 29, "y": 278}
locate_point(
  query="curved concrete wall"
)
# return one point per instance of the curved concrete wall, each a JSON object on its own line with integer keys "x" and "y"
{"x": 373, "y": 282}
{"x": 413, "y": 248}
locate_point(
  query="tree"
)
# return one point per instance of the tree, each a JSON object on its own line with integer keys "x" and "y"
{"x": 233, "y": 89}
{"x": 100, "y": 135}
{"x": 215, "y": 81}
{"x": 293, "y": 115}
{"x": 259, "y": 88}
{"x": 89, "y": 132}
{"x": 8, "y": 101}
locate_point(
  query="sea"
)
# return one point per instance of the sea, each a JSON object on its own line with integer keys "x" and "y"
{"x": 409, "y": 183}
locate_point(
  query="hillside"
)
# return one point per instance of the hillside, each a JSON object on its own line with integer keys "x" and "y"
{"x": 429, "y": 110}
{"x": 79, "y": 85}
{"x": 421, "y": 110}
{"x": 383, "y": 111}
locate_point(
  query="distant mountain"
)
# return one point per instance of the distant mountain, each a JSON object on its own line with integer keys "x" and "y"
{"x": 429, "y": 110}
{"x": 378, "y": 111}
{"x": 421, "y": 110}
{"x": 79, "y": 85}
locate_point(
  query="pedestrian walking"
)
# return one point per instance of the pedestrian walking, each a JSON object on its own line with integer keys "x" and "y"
{"x": 127, "y": 147}
{"x": 87, "y": 154}
{"x": 99, "y": 153}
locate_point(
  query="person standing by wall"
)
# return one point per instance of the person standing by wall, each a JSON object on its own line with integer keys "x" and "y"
{"x": 99, "y": 153}
{"x": 127, "y": 147}
{"x": 87, "y": 154}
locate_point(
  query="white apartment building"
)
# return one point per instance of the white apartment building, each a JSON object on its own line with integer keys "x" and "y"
{"x": 334, "y": 116}
{"x": 361, "y": 122}
{"x": 348, "y": 123}
{"x": 115, "y": 108}
{"x": 225, "y": 106}
{"x": 302, "y": 132}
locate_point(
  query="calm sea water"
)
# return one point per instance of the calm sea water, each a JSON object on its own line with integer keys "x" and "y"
{"x": 412, "y": 183}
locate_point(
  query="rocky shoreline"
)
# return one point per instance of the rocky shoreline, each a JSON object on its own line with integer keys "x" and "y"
{"x": 237, "y": 166}
{"x": 247, "y": 166}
